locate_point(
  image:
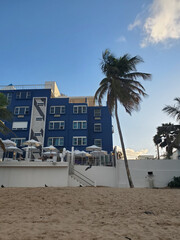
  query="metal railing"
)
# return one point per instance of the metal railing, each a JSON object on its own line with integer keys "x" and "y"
{"x": 29, "y": 86}
{"x": 80, "y": 177}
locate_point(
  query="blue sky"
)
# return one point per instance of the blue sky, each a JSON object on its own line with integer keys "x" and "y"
{"x": 63, "y": 41}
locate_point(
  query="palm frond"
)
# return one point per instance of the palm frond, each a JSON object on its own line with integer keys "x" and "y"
{"x": 3, "y": 100}
{"x": 177, "y": 100}
{"x": 135, "y": 75}
{"x": 111, "y": 100}
{"x": 4, "y": 129}
{"x": 5, "y": 114}
{"x": 172, "y": 111}
{"x": 100, "y": 93}
{"x": 2, "y": 145}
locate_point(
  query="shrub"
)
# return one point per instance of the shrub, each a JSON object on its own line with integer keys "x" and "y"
{"x": 175, "y": 183}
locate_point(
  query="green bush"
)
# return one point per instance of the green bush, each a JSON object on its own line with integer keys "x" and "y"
{"x": 175, "y": 183}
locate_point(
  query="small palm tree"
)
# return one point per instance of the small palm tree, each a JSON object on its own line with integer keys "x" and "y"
{"x": 5, "y": 114}
{"x": 173, "y": 111}
{"x": 121, "y": 85}
{"x": 168, "y": 136}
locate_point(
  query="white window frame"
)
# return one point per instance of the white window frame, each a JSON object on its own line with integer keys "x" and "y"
{"x": 81, "y": 124}
{"x": 53, "y": 109}
{"x": 19, "y": 107}
{"x": 77, "y": 107}
{"x": 18, "y": 95}
{"x": 97, "y": 129}
{"x": 79, "y": 141}
{"x": 53, "y": 143}
{"x": 18, "y": 124}
{"x": 21, "y": 139}
{"x": 28, "y": 95}
{"x": 9, "y": 97}
{"x": 97, "y": 112}
{"x": 98, "y": 139}
{"x": 61, "y": 124}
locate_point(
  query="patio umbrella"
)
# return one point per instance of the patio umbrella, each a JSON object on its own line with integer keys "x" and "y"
{"x": 8, "y": 143}
{"x": 50, "y": 148}
{"x": 82, "y": 154}
{"x": 32, "y": 142}
{"x": 50, "y": 153}
{"x": 93, "y": 148}
{"x": 14, "y": 150}
{"x": 98, "y": 153}
{"x": 27, "y": 149}
{"x": 76, "y": 152}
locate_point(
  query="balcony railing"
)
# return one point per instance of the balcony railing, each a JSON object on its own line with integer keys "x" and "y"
{"x": 29, "y": 86}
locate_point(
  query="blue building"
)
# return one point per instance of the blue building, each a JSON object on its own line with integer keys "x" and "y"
{"x": 40, "y": 112}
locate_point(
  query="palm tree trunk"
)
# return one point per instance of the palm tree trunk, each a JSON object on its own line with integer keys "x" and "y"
{"x": 2, "y": 145}
{"x": 123, "y": 149}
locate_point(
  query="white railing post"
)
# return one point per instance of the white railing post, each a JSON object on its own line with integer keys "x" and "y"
{"x": 72, "y": 155}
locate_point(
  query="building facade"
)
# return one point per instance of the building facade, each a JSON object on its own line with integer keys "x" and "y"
{"x": 43, "y": 114}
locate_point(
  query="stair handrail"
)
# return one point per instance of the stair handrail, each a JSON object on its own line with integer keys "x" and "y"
{"x": 87, "y": 180}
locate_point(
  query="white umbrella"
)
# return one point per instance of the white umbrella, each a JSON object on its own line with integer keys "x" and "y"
{"x": 50, "y": 148}
{"x": 50, "y": 153}
{"x": 8, "y": 143}
{"x": 76, "y": 152}
{"x": 29, "y": 148}
{"x": 93, "y": 148}
{"x": 82, "y": 153}
{"x": 32, "y": 142}
{"x": 98, "y": 153}
{"x": 13, "y": 149}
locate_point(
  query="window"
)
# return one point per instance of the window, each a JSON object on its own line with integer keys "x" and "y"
{"x": 97, "y": 112}
{"x": 78, "y": 109}
{"x": 9, "y": 97}
{"x": 19, "y": 125}
{"x": 18, "y": 95}
{"x": 56, "y": 125}
{"x": 39, "y": 119}
{"x": 97, "y": 127}
{"x": 40, "y": 104}
{"x": 19, "y": 141}
{"x": 28, "y": 95}
{"x": 21, "y": 110}
{"x": 57, "y": 110}
{"x": 56, "y": 141}
{"x": 79, "y": 124}
{"x": 37, "y": 134}
{"x": 98, "y": 142}
{"x": 79, "y": 141}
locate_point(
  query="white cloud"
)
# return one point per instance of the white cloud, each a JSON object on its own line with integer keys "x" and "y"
{"x": 136, "y": 23}
{"x": 132, "y": 154}
{"x": 121, "y": 39}
{"x": 162, "y": 24}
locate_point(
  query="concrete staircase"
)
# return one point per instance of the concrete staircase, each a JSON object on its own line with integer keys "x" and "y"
{"x": 80, "y": 178}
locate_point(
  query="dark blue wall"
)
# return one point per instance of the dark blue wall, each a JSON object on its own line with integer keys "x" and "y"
{"x": 68, "y": 117}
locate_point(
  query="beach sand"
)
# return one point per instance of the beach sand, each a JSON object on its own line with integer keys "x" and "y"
{"x": 89, "y": 213}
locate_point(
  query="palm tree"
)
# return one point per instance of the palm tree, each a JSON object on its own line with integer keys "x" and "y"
{"x": 168, "y": 136}
{"x": 5, "y": 114}
{"x": 121, "y": 86}
{"x": 173, "y": 111}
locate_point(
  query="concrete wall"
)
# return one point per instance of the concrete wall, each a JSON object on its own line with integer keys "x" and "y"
{"x": 33, "y": 174}
{"x": 37, "y": 174}
{"x": 103, "y": 176}
{"x": 163, "y": 171}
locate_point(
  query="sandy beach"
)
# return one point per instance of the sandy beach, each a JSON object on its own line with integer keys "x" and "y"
{"x": 89, "y": 213}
